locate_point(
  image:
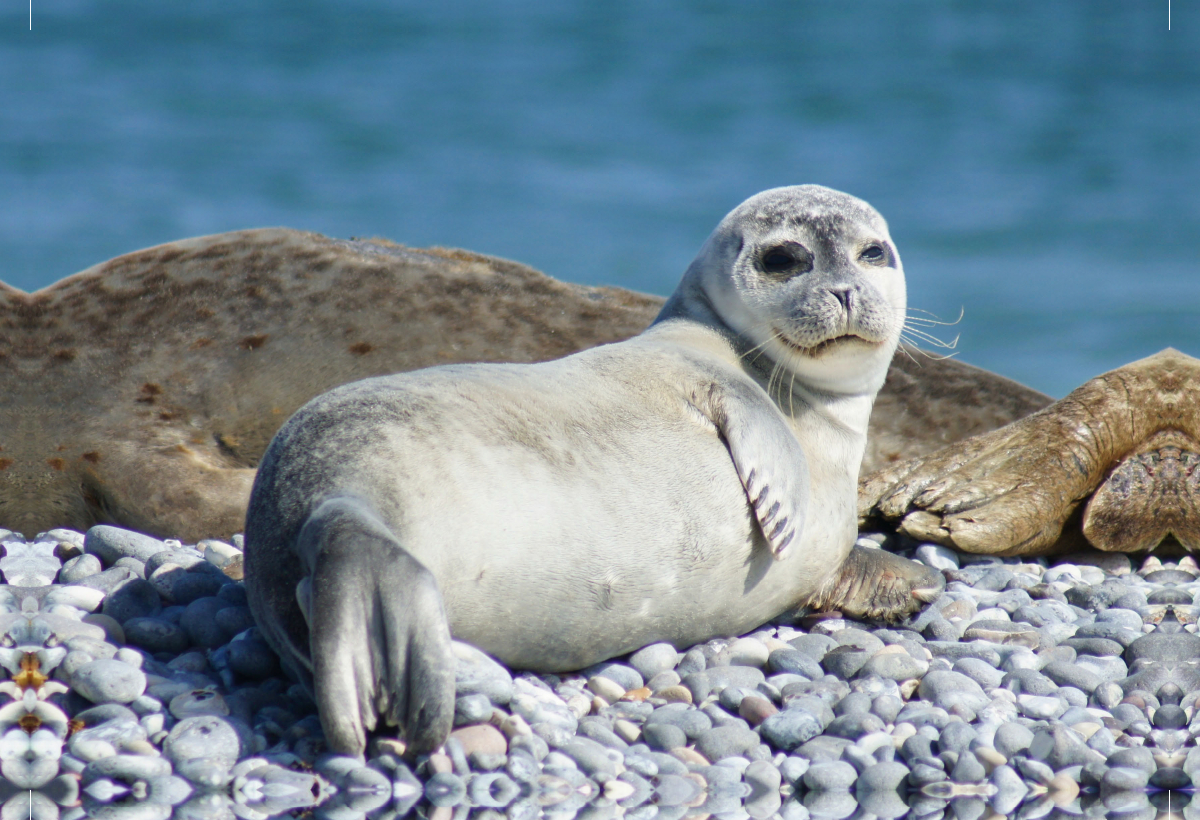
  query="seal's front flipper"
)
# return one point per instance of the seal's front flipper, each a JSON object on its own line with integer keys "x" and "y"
{"x": 378, "y": 635}
{"x": 875, "y": 584}
{"x": 768, "y": 458}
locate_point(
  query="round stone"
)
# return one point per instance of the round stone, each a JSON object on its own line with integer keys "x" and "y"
{"x": 948, "y": 689}
{"x": 200, "y": 623}
{"x": 252, "y": 658}
{"x": 830, "y": 775}
{"x": 191, "y": 586}
{"x": 155, "y": 635}
{"x": 654, "y": 659}
{"x": 979, "y": 671}
{"x": 1070, "y": 674}
{"x": 624, "y": 676}
{"x": 108, "y": 681}
{"x": 794, "y": 662}
{"x": 790, "y": 728}
{"x": 209, "y": 737}
{"x": 663, "y": 736}
{"x": 472, "y": 709}
{"x": 721, "y": 742}
{"x": 1012, "y": 738}
{"x": 78, "y": 568}
{"x": 937, "y": 556}
{"x": 111, "y": 543}
{"x": 895, "y": 666}
{"x": 234, "y": 618}
{"x": 135, "y": 599}
{"x": 744, "y": 652}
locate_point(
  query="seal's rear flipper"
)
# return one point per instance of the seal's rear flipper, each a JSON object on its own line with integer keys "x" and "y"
{"x": 378, "y": 635}
{"x": 877, "y": 585}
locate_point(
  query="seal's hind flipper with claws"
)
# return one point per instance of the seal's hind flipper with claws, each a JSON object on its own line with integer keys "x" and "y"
{"x": 876, "y": 585}
{"x": 379, "y": 638}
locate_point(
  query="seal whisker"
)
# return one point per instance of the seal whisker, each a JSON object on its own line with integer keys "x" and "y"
{"x": 929, "y": 337}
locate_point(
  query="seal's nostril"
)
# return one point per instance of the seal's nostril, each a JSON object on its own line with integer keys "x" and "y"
{"x": 844, "y": 294}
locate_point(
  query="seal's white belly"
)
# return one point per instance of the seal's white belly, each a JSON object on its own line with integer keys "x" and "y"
{"x": 555, "y": 557}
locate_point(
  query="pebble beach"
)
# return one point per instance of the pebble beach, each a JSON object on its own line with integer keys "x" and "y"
{"x": 137, "y": 686}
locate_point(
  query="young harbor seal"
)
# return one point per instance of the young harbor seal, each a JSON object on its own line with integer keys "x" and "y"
{"x": 693, "y": 481}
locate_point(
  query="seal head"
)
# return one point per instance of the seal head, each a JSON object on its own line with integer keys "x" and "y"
{"x": 819, "y": 290}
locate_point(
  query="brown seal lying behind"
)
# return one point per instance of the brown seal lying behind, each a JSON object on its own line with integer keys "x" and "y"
{"x": 1115, "y": 464}
{"x": 143, "y": 391}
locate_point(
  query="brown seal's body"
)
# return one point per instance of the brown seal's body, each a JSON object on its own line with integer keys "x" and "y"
{"x": 143, "y": 391}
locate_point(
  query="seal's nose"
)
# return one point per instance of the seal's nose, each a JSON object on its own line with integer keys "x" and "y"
{"x": 845, "y": 294}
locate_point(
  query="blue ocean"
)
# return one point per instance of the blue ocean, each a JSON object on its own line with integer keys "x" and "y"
{"x": 1039, "y": 163}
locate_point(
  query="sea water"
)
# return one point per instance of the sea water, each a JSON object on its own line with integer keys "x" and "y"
{"x": 1038, "y": 162}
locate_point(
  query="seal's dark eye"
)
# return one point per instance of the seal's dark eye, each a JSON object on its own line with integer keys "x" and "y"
{"x": 777, "y": 260}
{"x": 873, "y": 255}
{"x": 785, "y": 260}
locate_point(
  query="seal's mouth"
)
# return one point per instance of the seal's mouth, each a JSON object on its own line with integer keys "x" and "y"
{"x": 820, "y": 348}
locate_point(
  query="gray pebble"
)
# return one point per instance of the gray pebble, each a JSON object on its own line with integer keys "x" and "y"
{"x": 1124, "y": 778}
{"x": 134, "y": 599}
{"x": 830, "y": 775}
{"x": 693, "y": 661}
{"x": 854, "y": 726}
{"x": 234, "y": 594}
{"x": 1071, "y": 674}
{"x": 690, "y": 720}
{"x": 979, "y": 671}
{"x": 191, "y": 586}
{"x": 111, "y": 543}
{"x": 233, "y": 618}
{"x": 701, "y": 684}
{"x": 211, "y": 737}
{"x": 790, "y": 728}
{"x": 471, "y": 709}
{"x": 624, "y": 676}
{"x": 1012, "y": 738}
{"x": 937, "y": 556}
{"x": 1028, "y": 682}
{"x": 108, "y": 581}
{"x": 200, "y": 623}
{"x": 894, "y": 666}
{"x": 953, "y": 651}
{"x": 815, "y": 646}
{"x": 845, "y": 661}
{"x": 78, "y": 568}
{"x": 476, "y": 673}
{"x": 654, "y": 659}
{"x": 795, "y": 662}
{"x": 887, "y": 707}
{"x": 108, "y": 681}
{"x": 592, "y": 758}
{"x": 155, "y": 635}
{"x": 948, "y": 689}
{"x": 663, "y": 737}
{"x": 252, "y": 658}
{"x": 133, "y": 565}
{"x": 721, "y": 742}
{"x": 1034, "y": 770}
